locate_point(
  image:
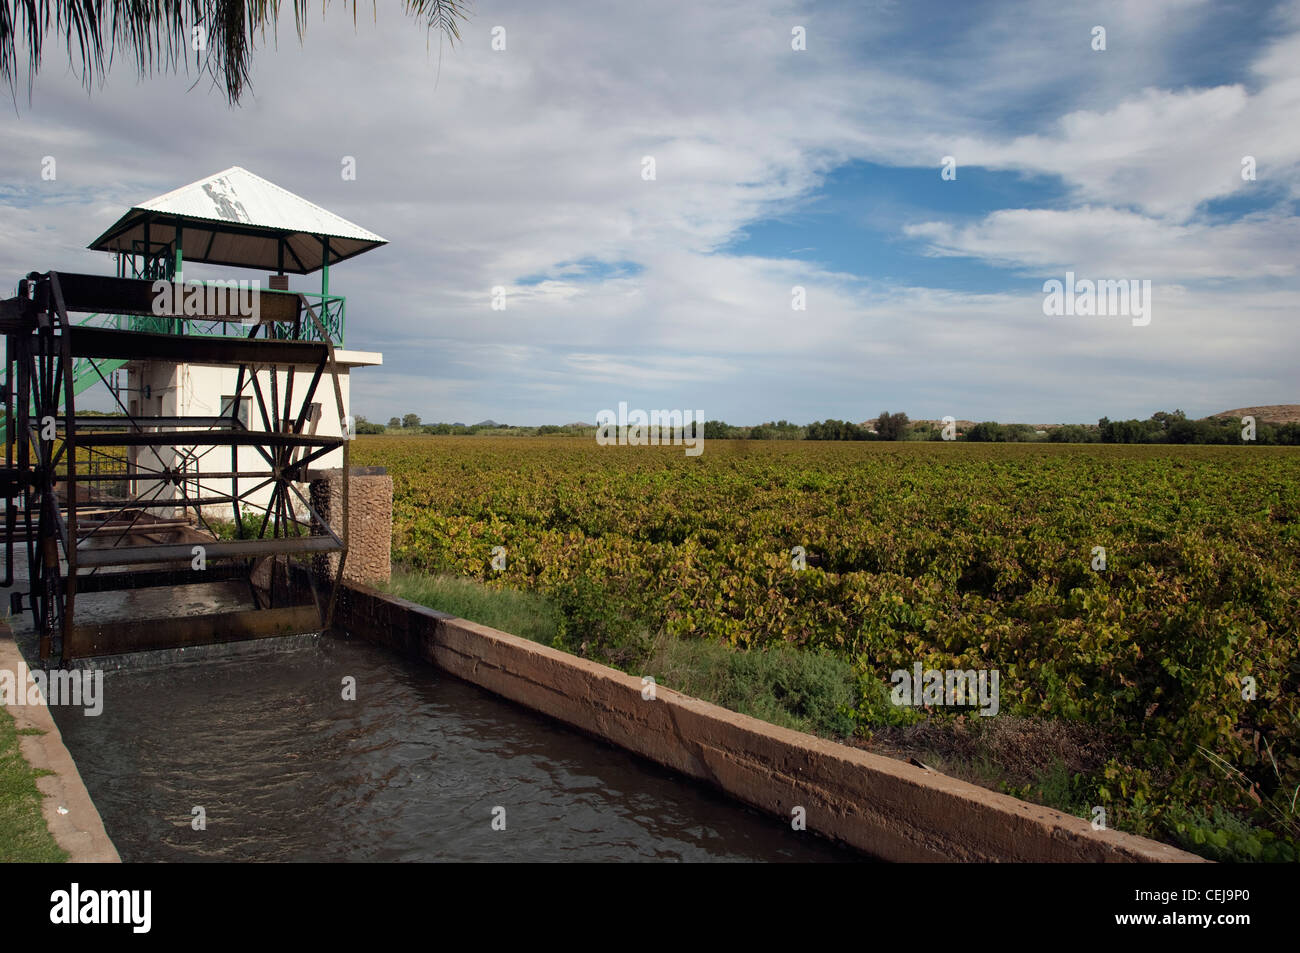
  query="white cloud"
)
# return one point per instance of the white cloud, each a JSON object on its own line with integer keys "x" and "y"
{"x": 1108, "y": 242}
{"x": 489, "y": 167}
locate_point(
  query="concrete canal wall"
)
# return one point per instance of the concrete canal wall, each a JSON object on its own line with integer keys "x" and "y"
{"x": 69, "y": 812}
{"x": 888, "y": 808}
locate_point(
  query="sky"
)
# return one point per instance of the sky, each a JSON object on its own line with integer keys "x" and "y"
{"x": 775, "y": 168}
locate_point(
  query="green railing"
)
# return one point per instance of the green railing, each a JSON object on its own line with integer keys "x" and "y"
{"x": 155, "y": 262}
{"x": 331, "y": 309}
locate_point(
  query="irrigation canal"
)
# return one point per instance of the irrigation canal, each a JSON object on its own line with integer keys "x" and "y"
{"x": 285, "y": 768}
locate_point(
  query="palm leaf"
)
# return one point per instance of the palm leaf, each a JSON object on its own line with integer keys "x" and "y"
{"x": 158, "y": 35}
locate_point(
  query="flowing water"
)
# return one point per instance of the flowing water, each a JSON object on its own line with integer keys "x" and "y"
{"x": 416, "y": 768}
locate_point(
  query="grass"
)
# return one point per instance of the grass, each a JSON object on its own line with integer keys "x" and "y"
{"x": 803, "y": 690}
{"x": 524, "y": 614}
{"x": 24, "y": 838}
{"x": 253, "y": 521}
{"x": 1040, "y": 760}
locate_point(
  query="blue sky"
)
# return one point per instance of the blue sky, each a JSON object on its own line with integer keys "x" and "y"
{"x": 775, "y": 168}
{"x": 853, "y": 223}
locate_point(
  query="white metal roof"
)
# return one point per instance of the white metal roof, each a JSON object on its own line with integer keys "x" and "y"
{"x": 237, "y": 218}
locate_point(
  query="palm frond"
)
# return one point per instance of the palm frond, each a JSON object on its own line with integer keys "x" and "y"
{"x": 160, "y": 35}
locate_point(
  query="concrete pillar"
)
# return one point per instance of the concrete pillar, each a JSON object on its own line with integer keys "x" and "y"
{"x": 370, "y": 540}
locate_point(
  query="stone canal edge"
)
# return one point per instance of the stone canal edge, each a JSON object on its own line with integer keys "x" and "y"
{"x": 69, "y": 812}
{"x": 889, "y": 809}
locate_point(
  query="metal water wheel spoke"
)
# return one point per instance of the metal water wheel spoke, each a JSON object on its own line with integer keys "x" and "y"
{"x": 117, "y": 502}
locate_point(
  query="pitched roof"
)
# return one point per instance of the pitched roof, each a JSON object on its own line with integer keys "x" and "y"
{"x": 237, "y": 218}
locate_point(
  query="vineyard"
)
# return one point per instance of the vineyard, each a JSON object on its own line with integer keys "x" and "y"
{"x": 1149, "y": 593}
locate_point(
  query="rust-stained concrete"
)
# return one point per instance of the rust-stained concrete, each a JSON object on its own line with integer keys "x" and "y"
{"x": 888, "y": 808}
{"x": 79, "y": 831}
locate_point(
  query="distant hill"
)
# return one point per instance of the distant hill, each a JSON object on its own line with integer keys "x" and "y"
{"x": 1267, "y": 413}
{"x": 487, "y": 423}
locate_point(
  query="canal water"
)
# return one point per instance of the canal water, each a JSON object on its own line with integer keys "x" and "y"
{"x": 260, "y": 742}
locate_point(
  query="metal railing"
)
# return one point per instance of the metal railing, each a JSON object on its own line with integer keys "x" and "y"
{"x": 154, "y": 263}
{"x": 332, "y": 310}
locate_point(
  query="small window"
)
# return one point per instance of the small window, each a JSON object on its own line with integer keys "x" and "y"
{"x": 245, "y": 407}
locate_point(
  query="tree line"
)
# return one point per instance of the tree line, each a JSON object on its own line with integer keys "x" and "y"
{"x": 411, "y": 424}
{"x": 1162, "y": 427}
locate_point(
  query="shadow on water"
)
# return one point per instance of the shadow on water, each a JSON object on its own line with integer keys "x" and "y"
{"x": 286, "y": 769}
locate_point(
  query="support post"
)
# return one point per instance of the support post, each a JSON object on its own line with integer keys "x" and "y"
{"x": 180, "y": 231}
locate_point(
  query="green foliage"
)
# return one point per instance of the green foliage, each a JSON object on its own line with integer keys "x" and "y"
{"x": 837, "y": 430}
{"x": 957, "y": 556}
{"x": 993, "y": 432}
{"x": 525, "y": 614}
{"x": 776, "y": 430}
{"x": 891, "y": 426}
{"x": 805, "y": 690}
{"x": 362, "y": 425}
{"x": 595, "y": 623}
{"x": 1226, "y": 837}
{"x": 501, "y": 430}
{"x": 1176, "y": 428}
{"x": 987, "y": 432}
{"x": 1072, "y": 433}
{"x": 249, "y": 526}
{"x": 1161, "y": 428}
{"x": 720, "y": 430}
{"x": 1058, "y": 787}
